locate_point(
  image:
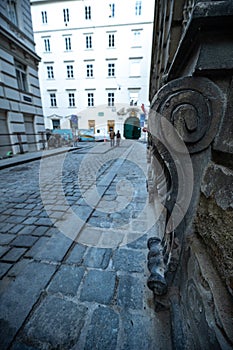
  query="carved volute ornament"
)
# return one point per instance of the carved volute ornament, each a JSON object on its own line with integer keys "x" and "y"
{"x": 183, "y": 121}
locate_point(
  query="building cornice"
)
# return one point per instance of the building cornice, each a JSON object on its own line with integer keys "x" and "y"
{"x": 13, "y": 40}
{"x": 215, "y": 17}
{"x": 15, "y": 28}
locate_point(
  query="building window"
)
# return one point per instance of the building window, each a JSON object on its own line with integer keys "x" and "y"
{"x": 66, "y": 15}
{"x": 47, "y": 45}
{"x": 87, "y": 12}
{"x": 138, "y": 8}
{"x": 111, "y": 40}
{"x": 12, "y": 11}
{"x": 90, "y": 99}
{"x": 89, "y": 70}
{"x": 44, "y": 16}
{"x": 68, "y": 43}
{"x": 21, "y": 74}
{"x": 111, "y": 99}
{"x": 133, "y": 98}
{"x": 111, "y": 10}
{"x": 71, "y": 99}
{"x": 111, "y": 69}
{"x": 53, "y": 100}
{"x": 88, "y": 41}
{"x": 50, "y": 72}
{"x": 70, "y": 71}
{"x": 56, "y": 123}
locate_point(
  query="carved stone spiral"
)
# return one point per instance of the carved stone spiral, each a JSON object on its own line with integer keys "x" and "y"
{"x": 194, "y": 107}
{"x": 184, "y": 120}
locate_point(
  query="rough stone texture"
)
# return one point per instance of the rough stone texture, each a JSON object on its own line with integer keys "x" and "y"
{"x": 130, "y": 292}
{"x": 98, "y": 286}
{"x": 3, "y": 250}
{"x": 97, "y": 257}
{"x": 4, "y": 267}
{"x": 103, "y": 331}
{"x": 76, "y": 255}
{"x": 67, "y": 280}
{"x": 18, "y": 299}
{"x": 24, "y": 241}
{"x": 128, "y": 260}
{"x": 136, "y": 331}
{"x": 51, "y": 249}
{"x": 214, "y": 221}
{"x": 14, "y": 254}
{"x": 217, "y": 183}
{"x": 56, "y": 324}
{"x": 223, "y": 141}
{"x": 206, "y": 305}
{"x": 198, "y": 48}
{"x": 215, "y": 225}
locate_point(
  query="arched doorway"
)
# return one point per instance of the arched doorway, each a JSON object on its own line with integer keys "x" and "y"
{"x": 132, "y": 129}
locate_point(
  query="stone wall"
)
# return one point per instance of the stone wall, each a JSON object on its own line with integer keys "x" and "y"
{"x": 192, "y": 264}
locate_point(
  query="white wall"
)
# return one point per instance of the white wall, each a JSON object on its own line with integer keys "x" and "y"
{"x": 122, "y": 25}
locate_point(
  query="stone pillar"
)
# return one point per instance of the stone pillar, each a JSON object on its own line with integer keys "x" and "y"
{"x": 186, "y": 130}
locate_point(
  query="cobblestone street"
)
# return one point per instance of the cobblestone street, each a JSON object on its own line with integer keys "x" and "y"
{"x": 73, "y": 248}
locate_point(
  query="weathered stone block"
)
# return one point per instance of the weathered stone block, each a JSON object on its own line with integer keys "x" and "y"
{"x": 66, "y": 280}
{"x": 103, "y": 330}
{"x": 55, "y": 324}
{"x": 94, "y": 287}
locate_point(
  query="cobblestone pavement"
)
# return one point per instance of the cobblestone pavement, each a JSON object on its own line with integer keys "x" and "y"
{"x": 73, "y": 253}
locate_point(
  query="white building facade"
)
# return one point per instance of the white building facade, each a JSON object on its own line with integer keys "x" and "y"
{"x": 95, "y": 61}
{"x": 21, "y": 116}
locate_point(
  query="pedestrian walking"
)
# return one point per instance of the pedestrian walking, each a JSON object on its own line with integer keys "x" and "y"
{"x": 112, "y": 137}
{"x": 118, "y": 138}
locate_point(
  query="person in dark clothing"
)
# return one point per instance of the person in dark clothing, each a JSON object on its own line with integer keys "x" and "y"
{"x": 118, "y": 138}
{"x": 112, "y": 137}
